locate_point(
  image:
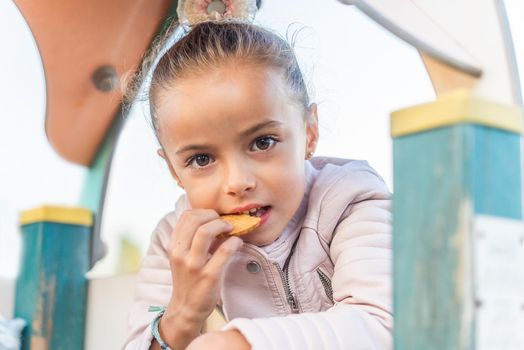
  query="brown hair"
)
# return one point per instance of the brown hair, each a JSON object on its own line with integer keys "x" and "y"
{"x": 211, "y": 44}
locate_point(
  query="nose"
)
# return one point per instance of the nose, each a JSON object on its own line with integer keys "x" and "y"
{"x": 239, "y": 178}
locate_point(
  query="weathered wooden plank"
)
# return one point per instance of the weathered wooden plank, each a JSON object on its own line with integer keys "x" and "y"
{"x": 497, "y": 173}
{"x": 442, "y": 178}
{"x": 51, "y": 289}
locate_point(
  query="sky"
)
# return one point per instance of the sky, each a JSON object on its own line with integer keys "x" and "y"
{"x": 356, "y": 71}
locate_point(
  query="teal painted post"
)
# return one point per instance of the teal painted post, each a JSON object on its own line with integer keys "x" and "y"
{"x": 442, "y": 179}
{"x": 51, "y": 289}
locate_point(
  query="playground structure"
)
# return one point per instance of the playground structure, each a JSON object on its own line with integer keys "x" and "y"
{"x": 466, "y": 144}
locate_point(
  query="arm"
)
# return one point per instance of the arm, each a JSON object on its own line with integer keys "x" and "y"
{"x": 153, "y": 288}
{"x": 223, "y": 340}
{"x": 181, "y": 271}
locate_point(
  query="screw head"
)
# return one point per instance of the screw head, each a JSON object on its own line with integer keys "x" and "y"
{"x": 105, "y": 78}
{"x": 216, "y": 6}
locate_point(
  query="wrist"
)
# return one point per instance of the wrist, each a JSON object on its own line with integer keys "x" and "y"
{"x": 184, "y": 316}
{"x": 177, "y": 329}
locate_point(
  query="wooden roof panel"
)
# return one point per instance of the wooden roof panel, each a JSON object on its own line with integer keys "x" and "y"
{"x": 75, "y": 38}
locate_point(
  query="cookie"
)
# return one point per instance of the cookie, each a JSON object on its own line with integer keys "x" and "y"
{"x": 242, "y": 224}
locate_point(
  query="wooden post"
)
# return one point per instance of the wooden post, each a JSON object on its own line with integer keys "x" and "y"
{"x": 454, "y": 160}
{"x": 51, "y": 289}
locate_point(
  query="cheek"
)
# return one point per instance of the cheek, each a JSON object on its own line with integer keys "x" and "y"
{"x": 287, "y": 178}
{"x": 202, "y": 193}
{"x": 287, "y": 171}
{"x": 292, "y": 185}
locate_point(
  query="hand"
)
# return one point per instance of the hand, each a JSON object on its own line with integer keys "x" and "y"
{"x": 223, "y": 340}
{"x": 196, "y": 272}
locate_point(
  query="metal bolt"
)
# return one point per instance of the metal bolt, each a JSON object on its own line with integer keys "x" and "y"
{"x": 216, "y": 6}
{"x": 105, "y": 78}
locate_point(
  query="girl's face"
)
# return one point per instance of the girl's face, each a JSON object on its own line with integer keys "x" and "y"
{"x": 235, "y": 141}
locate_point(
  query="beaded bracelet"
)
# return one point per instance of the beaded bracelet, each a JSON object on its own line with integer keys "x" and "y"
{"x": 154, "y": 328}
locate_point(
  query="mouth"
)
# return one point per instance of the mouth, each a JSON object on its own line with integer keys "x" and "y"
{"x": 258, "y": 212}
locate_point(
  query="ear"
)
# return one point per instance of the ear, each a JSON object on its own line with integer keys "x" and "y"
{"x": 163, "y": 155}
{"x": 311, "y": 130}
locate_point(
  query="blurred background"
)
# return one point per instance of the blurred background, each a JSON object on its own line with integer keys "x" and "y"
{"x": 356, "y": 71}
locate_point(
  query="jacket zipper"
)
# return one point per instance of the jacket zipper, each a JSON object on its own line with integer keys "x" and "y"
{"x": 326, "y": 282}
{"x": 284, "y": 275}
{"x": 290, "y": 296}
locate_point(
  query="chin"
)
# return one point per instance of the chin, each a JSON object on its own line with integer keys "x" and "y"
{"x": 259, "y": 238}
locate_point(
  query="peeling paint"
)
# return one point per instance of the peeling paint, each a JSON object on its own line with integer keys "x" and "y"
{"x": 461, "y": 241}
{"x": 39, "y": 343}
{"x": 51, "y": 288}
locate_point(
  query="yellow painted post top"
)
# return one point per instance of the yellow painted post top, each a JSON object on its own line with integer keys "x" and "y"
{"x": 58, "y": 214}
{"x": 457, "y": 107}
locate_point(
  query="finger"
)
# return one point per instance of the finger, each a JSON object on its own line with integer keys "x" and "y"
{"x": 187, "y": 225}
{"x": 222, "y": 255}
{"x": 204, "y": 237}
{"x": 216, "y": 243}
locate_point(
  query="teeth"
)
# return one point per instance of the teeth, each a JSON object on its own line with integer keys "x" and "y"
{"x": 254, "y": 212}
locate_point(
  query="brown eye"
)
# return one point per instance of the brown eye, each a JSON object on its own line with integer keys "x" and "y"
{"x": 263, "y": 143}
{"x": 202, "y": 160}
{"x": 199, "y": 161}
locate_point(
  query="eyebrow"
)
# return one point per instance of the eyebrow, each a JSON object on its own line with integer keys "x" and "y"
{"x": 257, "y": 127}
{"x": 245, "y": 133}
{"x": 192, "y": 148}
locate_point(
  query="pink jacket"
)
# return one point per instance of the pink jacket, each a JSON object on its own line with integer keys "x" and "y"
{"x": 325, "y": 283}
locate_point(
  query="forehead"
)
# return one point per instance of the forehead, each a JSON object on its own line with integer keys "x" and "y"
{"x": 227, "y": 98}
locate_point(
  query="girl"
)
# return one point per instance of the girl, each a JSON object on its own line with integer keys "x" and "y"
{"x": 237, "y": 131}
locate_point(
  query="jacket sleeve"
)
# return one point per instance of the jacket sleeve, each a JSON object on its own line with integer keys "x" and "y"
{"x": 361, "y": 317}
{"x": 153, "y": 287}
